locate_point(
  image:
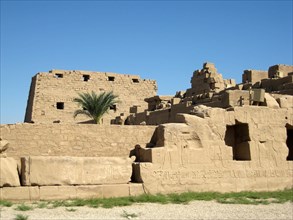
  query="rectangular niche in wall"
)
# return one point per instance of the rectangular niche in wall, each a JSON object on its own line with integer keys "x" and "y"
{"x": 237, "y": 136}
{"x": 60, "y": 105}
{"x": 113, "y": 107}
{"x": 86, "y": 77}
{"x": 58, "y": 75}
{"x": 289, "y": 142}
{"x": 111, "y": 78}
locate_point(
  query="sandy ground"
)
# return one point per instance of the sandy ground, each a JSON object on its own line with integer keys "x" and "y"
{"x": 194, "y": 210}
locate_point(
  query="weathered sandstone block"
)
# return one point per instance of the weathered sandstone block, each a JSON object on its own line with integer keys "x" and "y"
{"x": 3, "y": 145}
{"x": 271, "y": 102}
{"x": 20, "y": 193}
{"x": 8, "y": 172}
{"x": 285, "y": 101}
{"x": 33, "y": 193}
{"x": 45, "y": 171}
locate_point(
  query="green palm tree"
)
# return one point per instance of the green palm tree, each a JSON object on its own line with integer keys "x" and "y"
{"x": 95, "y": 106}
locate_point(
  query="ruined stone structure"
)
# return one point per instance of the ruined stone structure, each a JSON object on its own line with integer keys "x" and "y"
{"x": 215, "y": 136}
{"x": 234, "y": 150}
{"x": 51, "y": 94}
{"x": 208, "y": 80}
{"x": 210, "y": 89}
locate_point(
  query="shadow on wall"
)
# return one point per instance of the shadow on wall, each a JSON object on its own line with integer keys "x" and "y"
{"x": 87, "y": 122}
{"x": 289, "y": 141}
{"x": 237, "y": 136}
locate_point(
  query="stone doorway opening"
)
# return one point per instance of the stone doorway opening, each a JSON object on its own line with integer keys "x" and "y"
{"x": 289, "y": 141}
{"x": 237, "y": 136}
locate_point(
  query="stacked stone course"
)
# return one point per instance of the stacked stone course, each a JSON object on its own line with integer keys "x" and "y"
{"x": 87, "y": 140}
{"x": 60, "y": 87}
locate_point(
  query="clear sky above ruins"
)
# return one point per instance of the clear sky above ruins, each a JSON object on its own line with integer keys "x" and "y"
{"x": 161, "y": 40}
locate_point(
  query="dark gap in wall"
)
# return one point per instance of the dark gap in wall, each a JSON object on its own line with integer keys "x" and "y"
{"x": 60, "y": 105}
{"x": 113, "y": 107}
{"x": 86, "y": 77}
{"x": 237, "y": 136}
{"x": 58, "y": 75}
{"x": 289, "y": 141}
{"x": 111, "y": 78}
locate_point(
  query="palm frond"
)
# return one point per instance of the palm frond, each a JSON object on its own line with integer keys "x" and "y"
{"x": 95, "y": 106}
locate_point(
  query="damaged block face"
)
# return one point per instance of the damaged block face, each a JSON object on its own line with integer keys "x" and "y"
{"x": 3, "y": 146}
{"x": 254, "y": 76}
{"x": 270, "y": 101}
{"x": 285, "y": 101}
{"x": 280, "y": 70}
{"x": 8, "y": 172}
{"x": 46, "y": 171}
{"x": 258, "y": 95}
{"x": 232, "y": 98}
{"x": 210, "y": 67}
{"x": 207, "y": 80}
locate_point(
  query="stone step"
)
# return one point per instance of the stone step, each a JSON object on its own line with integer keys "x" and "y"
{"x": 35, "y": 193}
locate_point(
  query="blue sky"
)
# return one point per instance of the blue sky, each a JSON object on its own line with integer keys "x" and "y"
{"x": 161, "y": 40}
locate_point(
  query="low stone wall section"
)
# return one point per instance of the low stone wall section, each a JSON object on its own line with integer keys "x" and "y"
{"x": 84, "y": 140}
{"x": 35, "y": 193}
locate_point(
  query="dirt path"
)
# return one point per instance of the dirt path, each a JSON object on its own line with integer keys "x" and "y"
{"x": 194, "y": 210}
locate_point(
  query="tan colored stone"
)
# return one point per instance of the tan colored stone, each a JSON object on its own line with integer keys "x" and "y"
{"x": 20, "y": 193}
{"x": 280, "y": 70}
{"x": 3, "y": 145}
{"x": 206, "y": 154}
{"x": 285, "y": 101}
{"x": 89, "y": 191}
{"x": 136, "y": 189}
{"x": 32, "y": 193}
{"x": 44, "y": 171}
{"x": 57, "y": 106}
{"x": 8, "y": 172}
{"x": 254, "y": 76}
{"x": 117, "y": 190}
{"x": 200, "y": 111}
{"x": 76, "y": 139}
{"x": 57, "y": 192}
{"x": 270, "y": 101}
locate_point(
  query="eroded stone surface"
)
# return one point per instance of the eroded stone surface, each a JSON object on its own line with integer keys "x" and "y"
{"x": 3, "y": 147}
{"x": 270, "y": 101}
{"x": 32, "y": 193}
{"x": 79, "y": 140}
{"x": 57, "y": 106}
{"x": 227, "y": 151}
{"x": 8, "y": 172}
{"x": 46, "y": 171}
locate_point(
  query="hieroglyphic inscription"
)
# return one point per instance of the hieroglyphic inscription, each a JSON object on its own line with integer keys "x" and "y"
{"x": 81, "y": 89}
{"x": 215, "y": 173}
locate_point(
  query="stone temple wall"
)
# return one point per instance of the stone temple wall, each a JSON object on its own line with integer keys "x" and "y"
{"x": 242, "y": 149}
{"x": 84, "y": 140}
{"x": 69, "y": 161}
{"x": 247, "y": 148}
{"x": 52, "y": 93}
